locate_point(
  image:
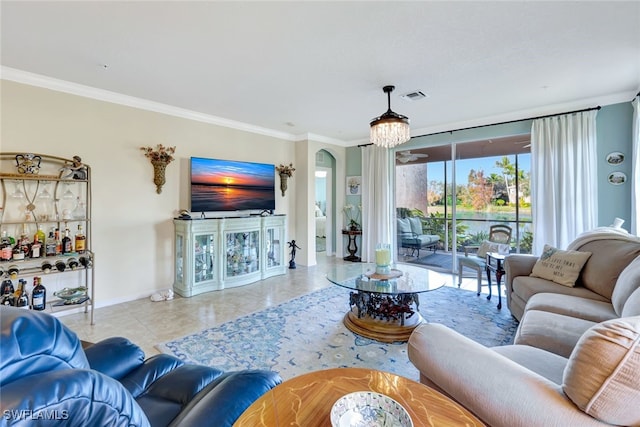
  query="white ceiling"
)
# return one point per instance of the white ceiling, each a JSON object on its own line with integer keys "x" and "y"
{"x": 296, "y": 69}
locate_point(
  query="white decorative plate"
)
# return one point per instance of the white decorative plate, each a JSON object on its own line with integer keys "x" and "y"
{"x": 369, "y": 409}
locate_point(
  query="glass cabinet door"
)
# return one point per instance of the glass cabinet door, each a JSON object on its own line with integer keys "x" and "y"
{"x": 243, "y": 254}
{"x": 204, "y": 257}
{"x": 179, "y": 258}
{"x": 273, "y": 248}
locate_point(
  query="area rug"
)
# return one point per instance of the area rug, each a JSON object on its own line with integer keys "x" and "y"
{"x": 306, "y": 334}
{"x": 442, "y": 261}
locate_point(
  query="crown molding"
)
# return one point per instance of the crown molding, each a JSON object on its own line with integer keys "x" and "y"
{"x": 523, "y": 115}
{"x": 319, "y": 138}
{"x": 32, "y": 79}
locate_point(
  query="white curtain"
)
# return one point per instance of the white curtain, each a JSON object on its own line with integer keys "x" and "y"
{"x": 376, "y": 200}
{"x": 635, "y": 169}
{"x": 563, "y": 178}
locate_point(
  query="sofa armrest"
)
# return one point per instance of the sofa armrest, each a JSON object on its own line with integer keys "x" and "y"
{"x": 70, "y": 397}
{"x": 517, "y": 265}
{"x": 115, "y": 357}
{"x": 497, "y": 390}
{"x": 226, "y": 398}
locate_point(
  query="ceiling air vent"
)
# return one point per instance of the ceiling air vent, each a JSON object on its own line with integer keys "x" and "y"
{"x": 414, "y": 96}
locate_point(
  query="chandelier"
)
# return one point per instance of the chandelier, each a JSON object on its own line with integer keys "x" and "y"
{"x": 390, "y": 129}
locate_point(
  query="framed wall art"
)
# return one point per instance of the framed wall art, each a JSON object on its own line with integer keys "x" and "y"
{"x": 615, "y": 158}
{"x": 354, "y": 185}
{"x": 617, "y": 178}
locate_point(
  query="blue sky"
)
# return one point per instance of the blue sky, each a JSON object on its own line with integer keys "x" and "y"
{"x": 435, "y": 171}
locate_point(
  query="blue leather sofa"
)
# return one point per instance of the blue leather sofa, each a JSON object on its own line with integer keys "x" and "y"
{"x": 47, "y": 378}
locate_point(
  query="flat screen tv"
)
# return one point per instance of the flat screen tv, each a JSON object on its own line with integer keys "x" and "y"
{"x": 226, "y": 185}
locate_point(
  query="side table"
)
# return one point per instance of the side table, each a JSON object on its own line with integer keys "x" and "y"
{"x": 495, "y": 263}
{"x": 352, "y": 247}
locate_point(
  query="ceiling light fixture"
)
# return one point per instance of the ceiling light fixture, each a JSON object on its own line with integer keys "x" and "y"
{"x": 390, "y": 129}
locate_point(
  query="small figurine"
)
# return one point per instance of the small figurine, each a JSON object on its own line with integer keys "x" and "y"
{"x": 293, "y": 246}
{"x": 76, "y": 170}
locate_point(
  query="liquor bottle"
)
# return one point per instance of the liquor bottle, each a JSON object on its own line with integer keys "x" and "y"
{"x": 7, "y": 292}
{"x": 7, "y": 299}
{"x": 17, "y": 253}
{"x": 23, "y": 299}
{"x": 67, "y": 245}
{"x": 50, "y": 245}
{"x": 81, "y": 240}
{"x": 36, "y": 247}
{"x": 6, "y": 247}
{"x": 58, "y": 241}
{"x": 25, "y": 245}
{"x": 39, "y": 295}
{"x": 40, "y": 236}
{"x": 7, "y": 287}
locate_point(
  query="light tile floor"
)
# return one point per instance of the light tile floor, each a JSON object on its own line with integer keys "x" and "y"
{"x": 149, "y": 323}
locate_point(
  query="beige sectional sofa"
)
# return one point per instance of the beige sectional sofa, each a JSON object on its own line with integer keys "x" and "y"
{"x": 552, "y": 316}
{"x": 576, "y": 356}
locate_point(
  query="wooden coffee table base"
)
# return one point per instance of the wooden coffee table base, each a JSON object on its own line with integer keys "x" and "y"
{"x": 306, "y": 400}
{"x": 381, "y": 330}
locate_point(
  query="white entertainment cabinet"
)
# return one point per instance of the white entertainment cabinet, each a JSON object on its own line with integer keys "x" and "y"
{"x": 217, "y": 253}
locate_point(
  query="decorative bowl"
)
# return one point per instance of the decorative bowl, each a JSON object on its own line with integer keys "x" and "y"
{"x": 369, "y": 409}
{"x": 71, "y": 293}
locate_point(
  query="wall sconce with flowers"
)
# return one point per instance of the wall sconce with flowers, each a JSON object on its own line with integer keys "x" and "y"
{"x": 160, "y": 157}
{"x": 285, "y": 173}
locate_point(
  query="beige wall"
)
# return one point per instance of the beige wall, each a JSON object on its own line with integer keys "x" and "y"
{"x": 132, "y": 225}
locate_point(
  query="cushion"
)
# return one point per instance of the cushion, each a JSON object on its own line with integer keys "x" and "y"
{"x": 318, "y": 212}
{"x": 403, "y": 226}
{"x": 416, "y": 225}
{"x": 610, "y": 257}
{"x": 561, "y": 267}
{"x": 601, "y": 377}
{"x": 628, "y": 282}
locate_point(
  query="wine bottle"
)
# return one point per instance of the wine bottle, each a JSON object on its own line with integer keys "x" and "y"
{"x": 23, "y": 299}
{"x": 60, "y": 265}
{"x": 73, "y": 263}
{"x": 13, "y": 271}
{"x": 67, "y": 245}
{"x": 50, "y": 245}
{"x": 81, "y": 240}
{"x": 85, "y": 261}
{"x": 46, "y": 267}
{"x": 39, "y": 295}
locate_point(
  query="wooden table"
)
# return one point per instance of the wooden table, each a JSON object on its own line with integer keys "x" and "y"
{"x": 495, "y": 263}
{"x": 306, "y": 400}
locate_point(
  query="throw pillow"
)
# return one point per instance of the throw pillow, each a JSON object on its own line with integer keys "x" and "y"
{"x": 601, "y": 376}
{"x": 561, "y": 267}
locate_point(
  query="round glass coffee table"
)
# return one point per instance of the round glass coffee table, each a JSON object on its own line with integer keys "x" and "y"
{"x": 384, "y": 307}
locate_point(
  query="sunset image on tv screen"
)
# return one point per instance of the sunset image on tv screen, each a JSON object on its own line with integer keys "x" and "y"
{"x": 226, "y": 185}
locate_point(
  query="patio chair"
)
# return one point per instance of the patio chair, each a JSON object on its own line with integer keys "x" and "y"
{"x": 499, "y": 239}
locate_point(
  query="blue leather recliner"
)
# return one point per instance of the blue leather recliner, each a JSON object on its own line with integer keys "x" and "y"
{"x": 46, "y": 378}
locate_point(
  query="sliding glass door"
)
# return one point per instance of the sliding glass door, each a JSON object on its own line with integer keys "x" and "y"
{"x": 458, "y": 200}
